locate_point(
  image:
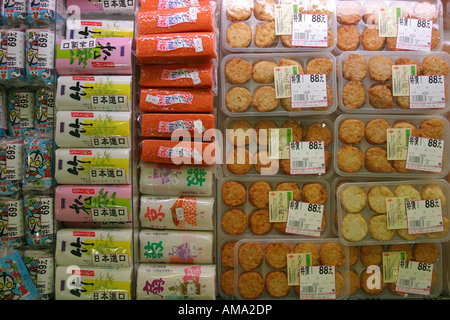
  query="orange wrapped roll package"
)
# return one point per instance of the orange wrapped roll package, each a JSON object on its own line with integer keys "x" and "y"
{"x": 177, "y": 76}
{"x": 193, "y": 19}
{"x": 176, "y": 47}
{"x": 176, "y": 100}
{"x": 147, "y": 5}
{"x": 161, "y": 125}
{"x": 178, "y": 152}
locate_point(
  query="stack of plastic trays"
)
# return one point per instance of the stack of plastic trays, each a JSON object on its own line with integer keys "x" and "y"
{"x": 176, "y": 49}
{"x": 376, "y": 171}
{"x": 93, "y": 159}
{"x": 27, "y": 80}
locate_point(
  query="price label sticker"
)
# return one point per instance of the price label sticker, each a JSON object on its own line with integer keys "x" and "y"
{"x": 414, "y": 34}
{"x": 279, "y": 141}
{"x": 424, "y": 216}
{"x": 391, "y": 261}
{"x": 14, "y": 161}
{"x": 425, "y": 154}
{"x": 294, "y": 262}
{"x": 304, "y": 218}
{"x": 388, "y": 18}
{"x": 317, "y": 282}
{"x": 282, "y": 80}
{"x": 307, "y": 157}
{"x": 427, "y": 92}
{"x": 283, "y": 19}
{"x": 396, "y": 212}
{"x": 309, "y": 30}
{"x": 397, "y": 143}
{"x": 309, "y": 91}
{"x": 279, "y": 205}
{"x": 414, "y": 277}
{"x": 400, "y": 79}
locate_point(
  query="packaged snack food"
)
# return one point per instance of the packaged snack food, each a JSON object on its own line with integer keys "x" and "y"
{"x": 393, "y": 82}
{"x": 92, "y": 166}
{"x": 44, "y": 116}
{"x": 97, "y": 56}
{"x": 11, "y": 165}
{"x": 21, "y": 108}
{"x": 187, "y": 19}
{"x": 38, "y": 161}
{"x": 77, "y": 283}
{"x": 12, "y": 63}
{"x": 160, "y": 125}
{"x": 40, "y": 226}
{"x": 178, "y": 152}
{"x": 97, "y": 93}
{"x": 176, "y": 100}
{"x": 176, "y": 48}
{"x": 105, "y": 248}
{"x": 41, "y": 266}
{"x": 178, "y": 75}
{"x": 80, "y": 203}
{"x": 104, "y": 7}
{"x": 40, "y": 55}
{"x": 96, "y": 129}
{"x": 392, "y": 146}
{"x": 177, "y": 213}
{"x": 173, "y": 246}
{"x": 92, "y": 28}
{"x": 18, "y": 283}
{"x": 176, "y": 282}
{"x": 167, "y": 180}
{"x": 13, "y": 224}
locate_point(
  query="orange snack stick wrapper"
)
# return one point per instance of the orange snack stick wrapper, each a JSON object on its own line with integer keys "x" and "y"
{"x": 161, "y": 125}
{"x": 178, "y": 152}
{"x": 192, "y": 19}
{"x": 177, "y": 76}
{"x": 147, "y": 5}
{"x": 176, "y": 100}
{"x": 176, "y": 47}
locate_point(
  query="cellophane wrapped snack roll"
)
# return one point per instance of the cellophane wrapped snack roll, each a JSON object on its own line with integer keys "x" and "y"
{"x": 176, "y": 100}
{"x": 170, "y": 48}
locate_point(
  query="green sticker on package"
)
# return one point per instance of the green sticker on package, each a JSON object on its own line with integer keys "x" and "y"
{"x": 396, "y": 212}
{"x": 391, "y": 262}
{"x": 279, "y": 140}
{"x": 294, "y": 261}
{"x": 397, "y": 143}
{"x": 279, "y": 205}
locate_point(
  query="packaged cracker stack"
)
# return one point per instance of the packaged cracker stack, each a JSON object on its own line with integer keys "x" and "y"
{"x": 390, "y": 149}
{"x": 94, "y": 140}
{"x": 176, "y": 49}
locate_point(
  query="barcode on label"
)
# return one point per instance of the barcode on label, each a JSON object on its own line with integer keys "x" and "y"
{"x": 303, "y": 164}
{"x": 309, "y": 289}
{"x": 404, "y": 39}
{"x": 300, "y": 36}
{"x": 301, "y": 97}
{"x": 296, "y": 224}
{"x": 416, "y": 223}
{"x": 404, "y": 282}
{"x": 416, "y": 159}
{"x": 418, "y": 98}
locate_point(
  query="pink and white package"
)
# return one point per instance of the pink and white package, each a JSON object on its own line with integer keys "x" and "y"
{"x": 80, "y": 203}
{"x": 94, "y": 56}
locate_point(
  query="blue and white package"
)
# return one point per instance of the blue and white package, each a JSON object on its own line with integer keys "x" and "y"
{"x": 14, "y": 10}
{"x": 11, "y": 165}
{"x": 40, "y": 50}
{"x": 39, "y": 218}
{"x": 12, "y": 229}
{"x": 3, "y": 113}
{"x": 38, "y": 160}
{"x": 41, "y": 265}
{"x": 44, "y": 111}
{"x": 20, "y": 112}
{"x": 17, "y": 283}
{"x": 12, "y": 54}
{"x": 45, "y": 11}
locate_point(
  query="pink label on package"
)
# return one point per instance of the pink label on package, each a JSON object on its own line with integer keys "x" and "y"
{"x": 174, "y": 44}
{"x": 173, "y": 4}
{"x": 165, "y": 126}
{"x": 109, "y": 56}
{"x": 78, "y": 203}
{"x": 179, "y": 74}
{"x": 166, "y": 100}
